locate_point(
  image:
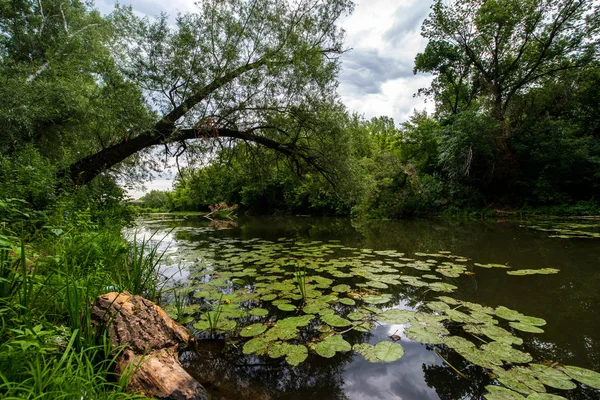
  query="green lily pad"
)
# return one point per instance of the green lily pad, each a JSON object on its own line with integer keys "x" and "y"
{"x": 526, "y": 327}
{"x": 286, "y": 307}
{"x": 388, "y": 351}
{"x": 500, "y": 393}
{"x": 253, "y": 330}
{"x": 552, "y": 377}
{"x": 395, "y": 316}
{"x": 257, "y": 345}
{"x": 532, "y": 320}
{"x": 341, "y": 288}
{"x": 506, "y": 352}
{"x": 335, "y": 320}
{"x": 268, "y": 297}
{"x": 328, "y": 347}
{"x": 585, "y": 376}
{"x": 347, "y": 301}
{"x": 507, "y": 313}
{"x": 422, "y": 335}
{"x": 259, "y": 312}
{"x": 545, "y": 396}
{"x": 438, "y": 306}
{"x": 378, "y": 299}
{"x": 542, "y": 271}
{"x": 296, "y": 354}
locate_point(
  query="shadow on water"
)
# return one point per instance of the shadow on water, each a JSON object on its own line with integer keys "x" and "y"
{"x": 569, "y": 301}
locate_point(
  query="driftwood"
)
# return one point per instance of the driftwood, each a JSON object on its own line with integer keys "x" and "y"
{"x": 151, "y": 340}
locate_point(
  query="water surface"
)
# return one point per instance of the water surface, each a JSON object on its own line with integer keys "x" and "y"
{"x": 569, "y": 301}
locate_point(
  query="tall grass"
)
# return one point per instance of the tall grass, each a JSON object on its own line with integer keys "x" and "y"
{"x": 141, "y": 275}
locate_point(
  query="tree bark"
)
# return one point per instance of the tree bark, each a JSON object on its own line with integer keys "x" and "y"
{"x": 150, "y": 339}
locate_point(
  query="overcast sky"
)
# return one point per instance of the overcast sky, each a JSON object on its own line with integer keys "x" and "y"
{"x": 377, "y": 74}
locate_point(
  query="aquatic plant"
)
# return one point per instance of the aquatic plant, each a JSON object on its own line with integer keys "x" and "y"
{"x": 352, "y": 289}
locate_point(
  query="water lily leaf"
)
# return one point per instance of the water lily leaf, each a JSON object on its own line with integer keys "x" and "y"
{"x": 314, "y": 308}
{"x": 377, "y": 299}
{"x": 491, "y": 265}
{"x": 287, "y": 307}
{"x": 449, "y": 300}
{"x": 542, "y": 271}
{"x": 341, "y": 288}
{"x": 347, "y": 301}
{"x": 335, "y": 320}
{"x": 328, "y": 347}
{"x": 422, "y": 335}
{"x": 545, "y": 396}
{"x": 457, "y": 342}
{"x": 506, "y": 352}
{"x": 268, "y": 297}
{"x": 532, "y": 320}
{"x": 356, "y": 315}
{"x": 585, "y": 376}
{"x": 442, "y": 287}
{"x": 222, "y": 325}
{"x": 438, "y": 306}
{"x": 395, "y": 316}
{"x": 257, "y": 345}
{"x": 294, "y": 322}
{"x": 296, "y": 354}
{"x": 526, "y": 327}
{"x": 552, "y": 377}
{"x": 460, "y": 317}
{"x": 388, "y": 351}
{"x": 500, "y": 393}
{"x": 493, "y": 332}
{"x": 507, "y": 313}
{"x": 259, "y": 312}
{"x": 366, "y": 350}
{"x": 281, "y": 333}
{"x": 278, "y": 349}
{"x": 515, "y": 377}
{"x": 377, "y": 284}
{"x": 238, "y": 281}
{"x": 253, "y": 330}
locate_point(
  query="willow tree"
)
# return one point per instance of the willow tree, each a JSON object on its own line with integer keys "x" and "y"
{"x": 234, "y": 69}
{"x": 91, "y": 92}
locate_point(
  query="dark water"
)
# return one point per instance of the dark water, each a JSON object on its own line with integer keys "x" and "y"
{"x": 569, "y": 301}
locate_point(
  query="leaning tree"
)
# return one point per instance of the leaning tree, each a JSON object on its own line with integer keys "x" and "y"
{"x": 99, "y": 90}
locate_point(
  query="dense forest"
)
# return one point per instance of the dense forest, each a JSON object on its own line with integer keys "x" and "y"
{"x": 242, "y": 96}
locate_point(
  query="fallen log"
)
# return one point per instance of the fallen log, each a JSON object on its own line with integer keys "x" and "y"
{"x": 151, "y": 340}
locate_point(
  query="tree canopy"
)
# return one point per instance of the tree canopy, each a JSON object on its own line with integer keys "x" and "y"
{"x": 246, "y": 70}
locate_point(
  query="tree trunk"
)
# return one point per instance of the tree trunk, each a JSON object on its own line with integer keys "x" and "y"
{"x": 151, "y": 340}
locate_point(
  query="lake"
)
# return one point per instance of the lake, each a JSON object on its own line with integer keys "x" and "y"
{"x": 303, "y": 308}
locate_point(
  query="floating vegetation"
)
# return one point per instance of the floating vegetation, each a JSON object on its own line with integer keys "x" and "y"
{"x": 583, "y": 229}
{"x": 542, "y": 271}
{"x": 288, "y": 299}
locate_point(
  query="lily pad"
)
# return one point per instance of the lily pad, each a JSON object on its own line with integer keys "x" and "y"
{"x": 287, "y": 307}
{"x": 500, "y": 393}
{"x": 335, "y": 320}
{"x": 388, "y": 351}
{"x": 585, "y": 376}
{"x": 395, "y": 316}
{"x": 253, "y": 330}
{"x": 552, "y": 377}
{"x": 526, "y": 327}
{"x": 506, "y": 352}
{"x": 257, "y": 345}
{"x": 542, "y": 271}
{"x": 296, "y": 354}
{"x": 259, "y": 312}
{"x": 328, "y": 347}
